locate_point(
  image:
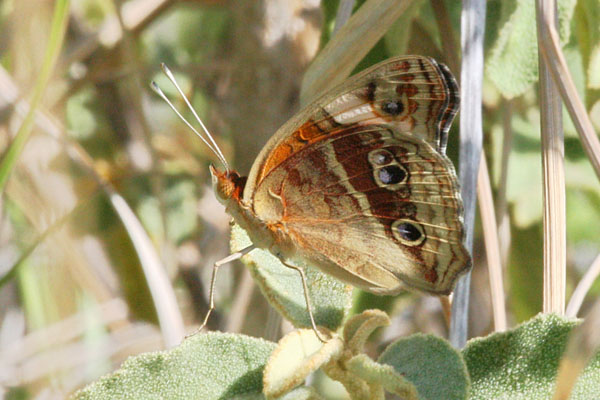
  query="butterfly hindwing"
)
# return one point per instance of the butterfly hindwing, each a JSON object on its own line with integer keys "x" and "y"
{"x": 374, "y": 206}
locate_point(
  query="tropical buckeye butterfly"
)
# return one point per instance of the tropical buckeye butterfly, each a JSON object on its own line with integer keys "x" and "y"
{"x": 358, "y": 184}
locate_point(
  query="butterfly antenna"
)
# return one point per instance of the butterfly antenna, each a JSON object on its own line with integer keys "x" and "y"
{"x": 169, "y": 75}
{"x": 212, "y": 145}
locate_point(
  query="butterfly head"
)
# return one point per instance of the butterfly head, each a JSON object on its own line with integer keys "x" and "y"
{"x": 227, "y": 185}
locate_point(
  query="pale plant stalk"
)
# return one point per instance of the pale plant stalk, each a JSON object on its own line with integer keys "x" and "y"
{"x": 554, "y": 219}
{"x": 455, "y": 308}
{"x": 75, "y": 357}
{"x": 245, "y": 290}
{"x": 492, "y": 247}
{"x": 502, "y": 217}
{"x": 551, "y": 51}
{"x": 472, "y": 33}
{"x": 583, "y": 287}
{"x": 343, "y": 14}
{"x": 161, "y": 290}
{"x": 274, "y": 320}
{"x": 507, "y": 139}
{"x": 241, "y": 302}
{"x": 63, "y": 347}
{"x": 61, "y": 332}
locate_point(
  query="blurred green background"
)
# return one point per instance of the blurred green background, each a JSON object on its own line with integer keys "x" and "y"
{"x": 78, "y": 304}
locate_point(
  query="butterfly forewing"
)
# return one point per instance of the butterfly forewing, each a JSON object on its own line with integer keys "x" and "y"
{"x": 411, "y": 93}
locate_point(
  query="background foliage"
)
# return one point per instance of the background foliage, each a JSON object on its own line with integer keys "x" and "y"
{"x": 75, "y": 301}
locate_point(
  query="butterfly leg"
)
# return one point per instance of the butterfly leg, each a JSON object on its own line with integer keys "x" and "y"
{"x": 307, "y": 299}
{"x": 235, "y": 256}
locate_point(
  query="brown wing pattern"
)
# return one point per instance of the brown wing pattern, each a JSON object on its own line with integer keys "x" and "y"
{"x": 411, "y": 93}
{"x": 374, "y": 206}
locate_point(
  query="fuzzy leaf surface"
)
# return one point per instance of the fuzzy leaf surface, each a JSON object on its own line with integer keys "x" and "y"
{"x": 282, "y": 286}
{"x": 297, "y": 355}
{"x": 513, "y": 60}
{"x": 522, "y": 363}
{"x": 205, "y": 366}
{"x": 431, "y": 364}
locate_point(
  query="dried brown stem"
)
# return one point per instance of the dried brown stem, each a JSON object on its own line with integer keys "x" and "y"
{"x": 492, "y": 247}
{"x": 449, "y": 46}
{"x": 583, "y": 288}
{"x": 241, "y": 302}
{"x": 554, "y": 220}
{"x": 551, "y": 52}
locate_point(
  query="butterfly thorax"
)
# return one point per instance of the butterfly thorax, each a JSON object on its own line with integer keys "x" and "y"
{"x": 228, "y": 187}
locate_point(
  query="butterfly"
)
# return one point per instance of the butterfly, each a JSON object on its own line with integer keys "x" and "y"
{"x": 358, "y": 185}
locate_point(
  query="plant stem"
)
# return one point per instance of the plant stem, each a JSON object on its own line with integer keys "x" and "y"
{"x": 472, "y": 31}
{"x": 492, "y": 246}
{"x": 555, "y": 241}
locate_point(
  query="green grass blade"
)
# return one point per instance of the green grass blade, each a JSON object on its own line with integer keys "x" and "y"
{"x": 57, "y": 34}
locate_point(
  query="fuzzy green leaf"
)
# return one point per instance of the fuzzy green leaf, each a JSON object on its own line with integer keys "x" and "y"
{"x": 513, "y": 61}
{"x": 594, "y": 68}
{"x": 282, "y": 287}
{"x": 587, "y": 33}
{"x": 358, "y": 328}
{"x": 522, "y": 363}
{"x": 431, "y": 364}
{"x": 205, "y": 366}
{"x": 384, "y": 375}
{"x": 297, "y": 355}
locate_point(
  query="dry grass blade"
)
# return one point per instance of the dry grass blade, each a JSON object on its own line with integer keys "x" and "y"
{"x": 583, "y": 344}
{"x": 241, "y": 302}
{"x": 583, "y": 288}
{"x": 555, "y": 240}
{"x": 57, "y": 224}
{"x": 502, "y": 216}
{"x": 507, "y": 114}
{"x": 472, "y": 31}
{"x": 449, "y": 45}
{"x": 110, "y": 312}
{"x": 552, "y": 53}
{"x": 73, "y": 357}
{"x": 492, "y": 247}
{"x": 163, "y": 295}
{"x": 343, "y": 14}
{"x": 351, "y": 43}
